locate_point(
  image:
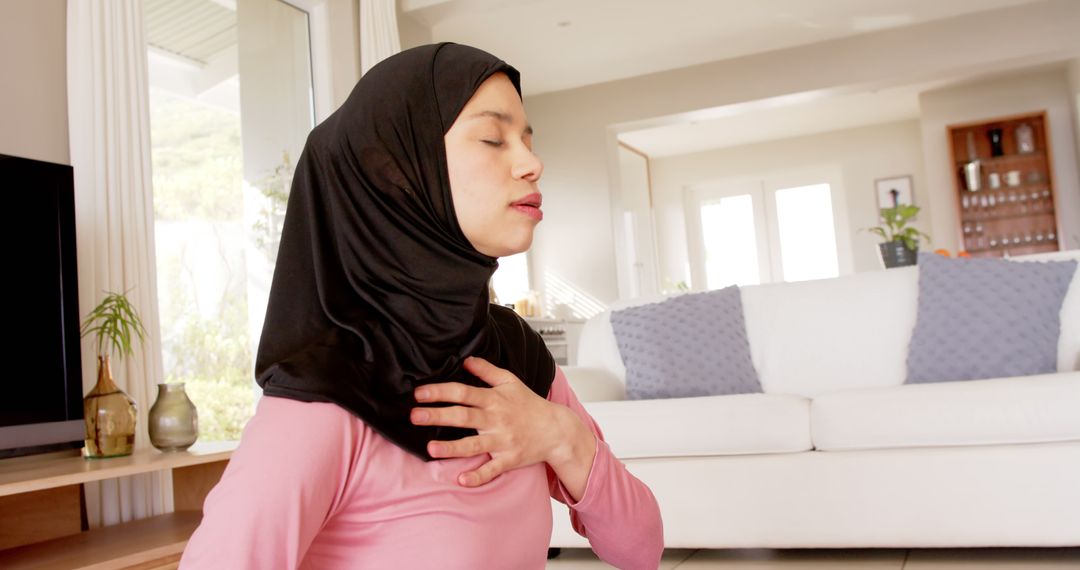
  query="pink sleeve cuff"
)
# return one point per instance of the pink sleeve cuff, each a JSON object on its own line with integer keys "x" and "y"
{"x": 598, "y": 473}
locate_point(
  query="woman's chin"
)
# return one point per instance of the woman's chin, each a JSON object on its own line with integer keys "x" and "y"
{"x": 509, "y": 247}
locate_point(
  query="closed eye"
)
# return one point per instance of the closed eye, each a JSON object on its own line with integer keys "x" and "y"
{"x": 494, "y": 143}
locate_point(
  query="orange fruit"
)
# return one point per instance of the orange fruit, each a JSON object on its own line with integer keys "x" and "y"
{"x": 943, "y": 251}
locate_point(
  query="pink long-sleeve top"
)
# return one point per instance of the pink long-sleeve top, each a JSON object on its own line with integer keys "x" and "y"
{"x": 311, "y": 486}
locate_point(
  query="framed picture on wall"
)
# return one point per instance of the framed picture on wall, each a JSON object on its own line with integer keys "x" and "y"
{"x": 894, "y": 191}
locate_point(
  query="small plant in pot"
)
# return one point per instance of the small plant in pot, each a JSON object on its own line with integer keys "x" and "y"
{"x": 110, "y": 413}
{"x": 901, "y": 246}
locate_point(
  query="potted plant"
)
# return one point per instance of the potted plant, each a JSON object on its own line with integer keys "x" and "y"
{"x": 110, "y": 413}
{"x": 901, "y": 246}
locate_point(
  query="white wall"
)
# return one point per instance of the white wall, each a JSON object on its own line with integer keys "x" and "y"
{"x": 410, "y": 32}
{"x": 863, "y": 155}
{"x": 1016, "y": 94}
{"x": 576, "y": 129}
{"x": 639, "y": 237}
{"x": 1072, "y": 75}
{"x": 33, "y": 63}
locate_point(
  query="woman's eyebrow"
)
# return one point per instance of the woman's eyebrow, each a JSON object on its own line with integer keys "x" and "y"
{"x": 500, "y": 116}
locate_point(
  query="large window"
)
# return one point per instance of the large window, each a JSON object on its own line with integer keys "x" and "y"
{"x": 511, "y": 279}
{"x": 227, "y": 120}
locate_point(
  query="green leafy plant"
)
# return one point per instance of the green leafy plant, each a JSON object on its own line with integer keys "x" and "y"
{"x": 895, "y": 226}
{"x": 672, "y": 287}
{"x": 115, "y": 323}
{"x": 275, "y": 191}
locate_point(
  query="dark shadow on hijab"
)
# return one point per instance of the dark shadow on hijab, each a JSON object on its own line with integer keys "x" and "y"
{"x": 376, "y": 289}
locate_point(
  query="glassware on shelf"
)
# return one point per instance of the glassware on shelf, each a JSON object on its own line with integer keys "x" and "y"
{"x": 173, "y": 419}
{"x": 110, "y": 417}
{"x": 1025, "y": 139}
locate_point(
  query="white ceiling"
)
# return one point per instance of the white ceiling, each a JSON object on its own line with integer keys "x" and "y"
{"x": 594, "y": 41}
{"x": 570, "y": 43}
{"x": 193, "y": 52}
{"x": 192, "y": 30}
{"x": 759, "y": 123}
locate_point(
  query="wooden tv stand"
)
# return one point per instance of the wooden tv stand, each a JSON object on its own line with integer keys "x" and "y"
{"x": 42, "y": 517}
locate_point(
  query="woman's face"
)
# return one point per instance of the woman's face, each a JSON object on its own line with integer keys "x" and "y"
{"x": 493, "y": 171}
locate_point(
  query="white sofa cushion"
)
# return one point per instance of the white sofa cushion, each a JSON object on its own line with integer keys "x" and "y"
{"x": 705, "y": 425}
{"x": 592, "y": 384}
{"x": 817, "y": 336}
{"x": 1031, "y": 409}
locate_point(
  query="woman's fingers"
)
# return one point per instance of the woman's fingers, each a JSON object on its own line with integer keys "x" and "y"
{"x": 483, "y": 474}
{"x": 488, "y": 372}
{"x": 454, "y": 416}
{"x": 458, "y": 393}
{"x": 464, "y": 447}
{"x": 453, "y": 392}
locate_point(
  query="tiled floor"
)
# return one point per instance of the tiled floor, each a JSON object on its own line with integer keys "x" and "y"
{"x": 871, "y": 559}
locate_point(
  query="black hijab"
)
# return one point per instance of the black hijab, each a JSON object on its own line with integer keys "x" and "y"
{"x": 376, "y": 289}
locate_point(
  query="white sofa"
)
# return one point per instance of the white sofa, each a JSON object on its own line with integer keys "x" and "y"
{"x": 837, "y": 451}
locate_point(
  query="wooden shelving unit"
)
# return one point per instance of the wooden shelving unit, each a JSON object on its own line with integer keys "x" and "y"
{"x": 1014, "y": 209}
{"x": 42, "y": 525}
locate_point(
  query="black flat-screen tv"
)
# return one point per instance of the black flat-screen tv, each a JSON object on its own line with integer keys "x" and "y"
{"x": 41, "y": 377}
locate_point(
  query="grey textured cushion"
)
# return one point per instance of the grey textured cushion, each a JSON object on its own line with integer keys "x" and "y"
{"x": 986, "y": 318}
{"x": 690, "y": 345}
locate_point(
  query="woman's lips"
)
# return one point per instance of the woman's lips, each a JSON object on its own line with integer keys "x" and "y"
{"x": 530, "y": 206}
{"x": 531, "y": 211}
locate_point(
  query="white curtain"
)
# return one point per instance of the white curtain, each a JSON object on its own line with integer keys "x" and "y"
{"x": 378, "y": 32}
{"x": 109, "y": 128}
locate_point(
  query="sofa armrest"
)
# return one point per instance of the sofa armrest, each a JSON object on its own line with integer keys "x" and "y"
{"x": 594, "y": 384}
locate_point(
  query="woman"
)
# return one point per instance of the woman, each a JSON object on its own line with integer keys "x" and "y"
{"x": 406, "y": 422}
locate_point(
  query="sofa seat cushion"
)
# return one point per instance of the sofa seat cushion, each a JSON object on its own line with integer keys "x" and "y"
{"x": 707, "y": 425}
{"x": 1030, "y": 409}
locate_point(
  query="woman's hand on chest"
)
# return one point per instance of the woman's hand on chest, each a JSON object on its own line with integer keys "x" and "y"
{"x": 515, "y": 426}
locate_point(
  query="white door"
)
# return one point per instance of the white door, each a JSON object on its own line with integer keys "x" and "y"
{"x": 776, "y": 227}
{"x": 728, "y": 235}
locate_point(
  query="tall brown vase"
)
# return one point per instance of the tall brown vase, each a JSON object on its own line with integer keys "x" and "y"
{"x": 110, "y": 417}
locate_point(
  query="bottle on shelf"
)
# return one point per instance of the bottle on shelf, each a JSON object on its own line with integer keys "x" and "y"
{"x": 996, "y": 147}
{"x": 972, "y": 170}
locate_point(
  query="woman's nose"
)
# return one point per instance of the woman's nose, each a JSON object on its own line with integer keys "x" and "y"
{"x": 528, "y": 166}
